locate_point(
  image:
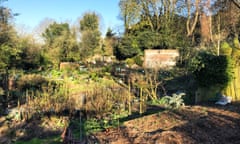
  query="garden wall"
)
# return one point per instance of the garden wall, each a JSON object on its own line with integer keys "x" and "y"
{"x": 163, "y": 58}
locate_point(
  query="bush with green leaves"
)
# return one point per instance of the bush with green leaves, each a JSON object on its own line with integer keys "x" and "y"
{"x": 130, "y": 61}
{"x": 225, "y": 49}
{"x": 211, "y": 70}
{"x": 138, "y": 60}
{"x": 127, "y": 48}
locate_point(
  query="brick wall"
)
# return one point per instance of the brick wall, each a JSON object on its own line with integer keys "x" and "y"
{"x": 164, "y": 58}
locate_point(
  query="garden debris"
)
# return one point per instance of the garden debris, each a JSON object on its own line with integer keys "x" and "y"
{"x": 224, "y": 100}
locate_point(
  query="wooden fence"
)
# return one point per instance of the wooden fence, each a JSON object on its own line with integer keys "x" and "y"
{"x": 233, "y": 88}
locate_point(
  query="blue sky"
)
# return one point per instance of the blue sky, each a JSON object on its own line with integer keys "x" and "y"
{"x": 32, "y": 12}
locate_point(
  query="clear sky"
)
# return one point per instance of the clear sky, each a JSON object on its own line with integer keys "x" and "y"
{"x": 32, "y": 12}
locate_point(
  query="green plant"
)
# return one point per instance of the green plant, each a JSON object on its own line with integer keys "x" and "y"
{"x": 173, "y": 102}
{"x": 92, "y": 125}
{"x": 130, "y": 61}
{"x": 95, "y": 76}
{"x": 138, "y": 60}
{"x": 236, "y": 51}
{"x": 161, "y": 101}
{"x": 225, "y": 49}
{"x": 210, "y": 70}
{"x": 55, "y": 73}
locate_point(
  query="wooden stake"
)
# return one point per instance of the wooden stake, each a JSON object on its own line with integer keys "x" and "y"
{"x": 129, "y": 98}
{"x": 141, "y": 100}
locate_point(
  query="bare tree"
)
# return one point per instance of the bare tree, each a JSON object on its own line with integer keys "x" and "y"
{"x": 191, "y": 22}
{"x": 41, "y": 27}
{"x": 129, "y": 12}
{"x": 206, "y": 22}
{"x": 237, "y": 3}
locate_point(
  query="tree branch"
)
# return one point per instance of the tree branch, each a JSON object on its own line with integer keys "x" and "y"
{"x": 237, "y": 3}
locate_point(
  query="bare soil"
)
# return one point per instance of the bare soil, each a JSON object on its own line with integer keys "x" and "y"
{"x": 12, "y": 130}
{"x": 208, "y": 124}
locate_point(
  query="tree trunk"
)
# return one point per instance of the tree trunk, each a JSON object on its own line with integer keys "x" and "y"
{"x": 237, "y": 3}
{"x": 191, "y": 26}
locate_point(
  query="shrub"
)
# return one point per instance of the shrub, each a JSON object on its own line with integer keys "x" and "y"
{"x": 225, "y": 49}
{"x": 130, "y": 61}
{"x": 210, "y": 70}
{"x": 31, "y": 81}
{"x": 236, "y": 51}
{"x": 138, "y": 60}
{"x": 135, "y": 60}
